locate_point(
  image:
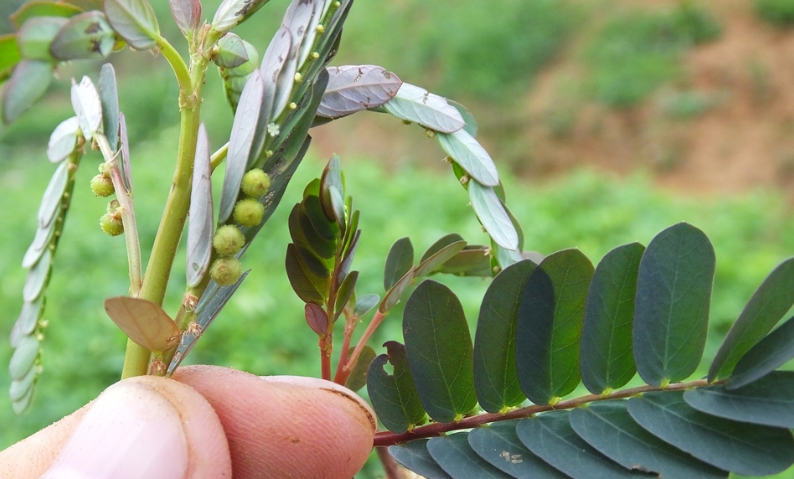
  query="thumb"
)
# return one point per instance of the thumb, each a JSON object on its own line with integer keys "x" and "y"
{"x": 140, "y": 427}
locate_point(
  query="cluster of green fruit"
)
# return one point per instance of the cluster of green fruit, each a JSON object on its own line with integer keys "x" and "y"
{"x": 229, "y": 240}
{"x": 102, "y": 185}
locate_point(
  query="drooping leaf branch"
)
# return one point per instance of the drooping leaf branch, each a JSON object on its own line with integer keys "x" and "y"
{"x": 544, "y": 328}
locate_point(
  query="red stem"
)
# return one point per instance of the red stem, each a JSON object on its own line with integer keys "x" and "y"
{"x": 385, "y": 438}
{"x": 347, "y": 367}
{"x": 390, "y": 466}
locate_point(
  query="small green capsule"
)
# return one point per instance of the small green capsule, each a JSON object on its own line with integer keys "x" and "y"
{"x": 255, "y": 183}
{"x": 102, "y": 186}
{"x": 228, "y": 240}
{"x": 248, "y": 212}
{"x": 111, "y": 224}
{"x": 225, "y": 271}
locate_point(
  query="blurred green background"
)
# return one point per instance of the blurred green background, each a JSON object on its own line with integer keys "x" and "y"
{"x": 557, "y": 85}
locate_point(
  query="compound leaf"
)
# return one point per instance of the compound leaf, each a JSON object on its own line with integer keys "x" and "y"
{"x": 418, "y": 105}
{"x": 454, "y": 454}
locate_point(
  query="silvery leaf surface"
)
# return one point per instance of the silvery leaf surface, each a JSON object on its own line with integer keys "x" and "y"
{"x": 273, "y": 62}
{"x": 492, "y": 215}
{"x": 52, "y": 195}
{"x": 87, "y": 107}
{"x": 470, "y": 155}
{"x": 353, "y": 88}
{"x": 241, "y": 143}
{"x": 199, "y": 233}
{"x": 109, "y": 99}
{"x": 231, "y": 13}
{"x": 427, "y": 109}
{"x": 63, "y": 140}
{"x": 134, "y": 21}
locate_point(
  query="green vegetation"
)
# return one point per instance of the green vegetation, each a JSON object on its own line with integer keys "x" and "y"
{"x": 776, "y": 12}
{"x": 461, "y": 54}
{"x": 263, "y": 331}
{"x": 636, "y": 53}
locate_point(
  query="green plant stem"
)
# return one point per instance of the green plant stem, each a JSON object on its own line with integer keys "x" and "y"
{"x": 177, "y": 64}
{"x": 217, "y": 158}
{"x": 155, "y": 282}
{"x": 127, "y": 216}
{"x": 384, "y": 439}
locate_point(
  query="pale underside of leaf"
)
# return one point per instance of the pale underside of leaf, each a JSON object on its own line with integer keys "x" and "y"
{"x": 412, "y": 103}
{"x": 199, "y": 237}
{"x": 353, "y": 88}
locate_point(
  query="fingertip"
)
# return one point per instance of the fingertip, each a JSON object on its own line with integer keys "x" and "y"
{"x": 288, "y": 427}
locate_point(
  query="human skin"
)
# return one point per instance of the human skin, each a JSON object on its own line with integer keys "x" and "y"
{"x": 206, "y": 422}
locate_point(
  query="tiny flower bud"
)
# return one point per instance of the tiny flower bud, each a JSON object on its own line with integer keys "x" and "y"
{"x": 104, "y": 169}
{"x": 255, "y": 183}
{"x": 113, "y": 207}
{"x": 111, "y": 224}
{"x": 228, "y": 240}
{"x": 248, "y": 212}
{"x": 320, "y": 28}
{"x": 102, "y": 186}
{"x": 407, "y": 122}
{"x": 430, "y": 133}
{"x": 293, "y": 105}
{"x": 298, "y": 77}
{"x": 314, "y": 56}
{"x": 225, "y": 271}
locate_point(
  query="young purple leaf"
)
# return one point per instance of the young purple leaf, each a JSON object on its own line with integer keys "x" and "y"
{"x": 353, "y": 88}
{"x": 199, "y": 234}
{"x": 144, "y": 322}
{"x": 316, "y": 318}
{"x": 187, "y": 14}
{"x": 134, "y": 21}
{"x": 242, "y": 147}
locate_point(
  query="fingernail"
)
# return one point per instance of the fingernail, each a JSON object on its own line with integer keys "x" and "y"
{"x": 316, "y": 383}
{"x": 130, "y": 432}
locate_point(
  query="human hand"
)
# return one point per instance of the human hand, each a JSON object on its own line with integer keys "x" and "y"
{"x": 204, "y": 423}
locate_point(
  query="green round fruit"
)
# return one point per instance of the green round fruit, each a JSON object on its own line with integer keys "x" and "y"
{"x": 228, "y": 240}
{"x": 255, "y": 183}
{"x": 248, "y": 212}
{"x": 111, "y": 224}
{"x": 102, "y": 185}
{"x": 225, "y": 271}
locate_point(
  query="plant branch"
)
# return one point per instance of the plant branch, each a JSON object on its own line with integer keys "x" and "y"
{"x": 384, "y": 439}
{"x": 177, "y": 64}
{"x": 155, "y": 282}
{"x": 371, "y": 327}
{"x": 217, "y": 158}
{"x": 127, "y": 216}
{"x": 390, "y": 466}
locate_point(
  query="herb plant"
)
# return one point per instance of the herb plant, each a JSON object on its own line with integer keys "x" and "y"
{"x": 546, "y": 324}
